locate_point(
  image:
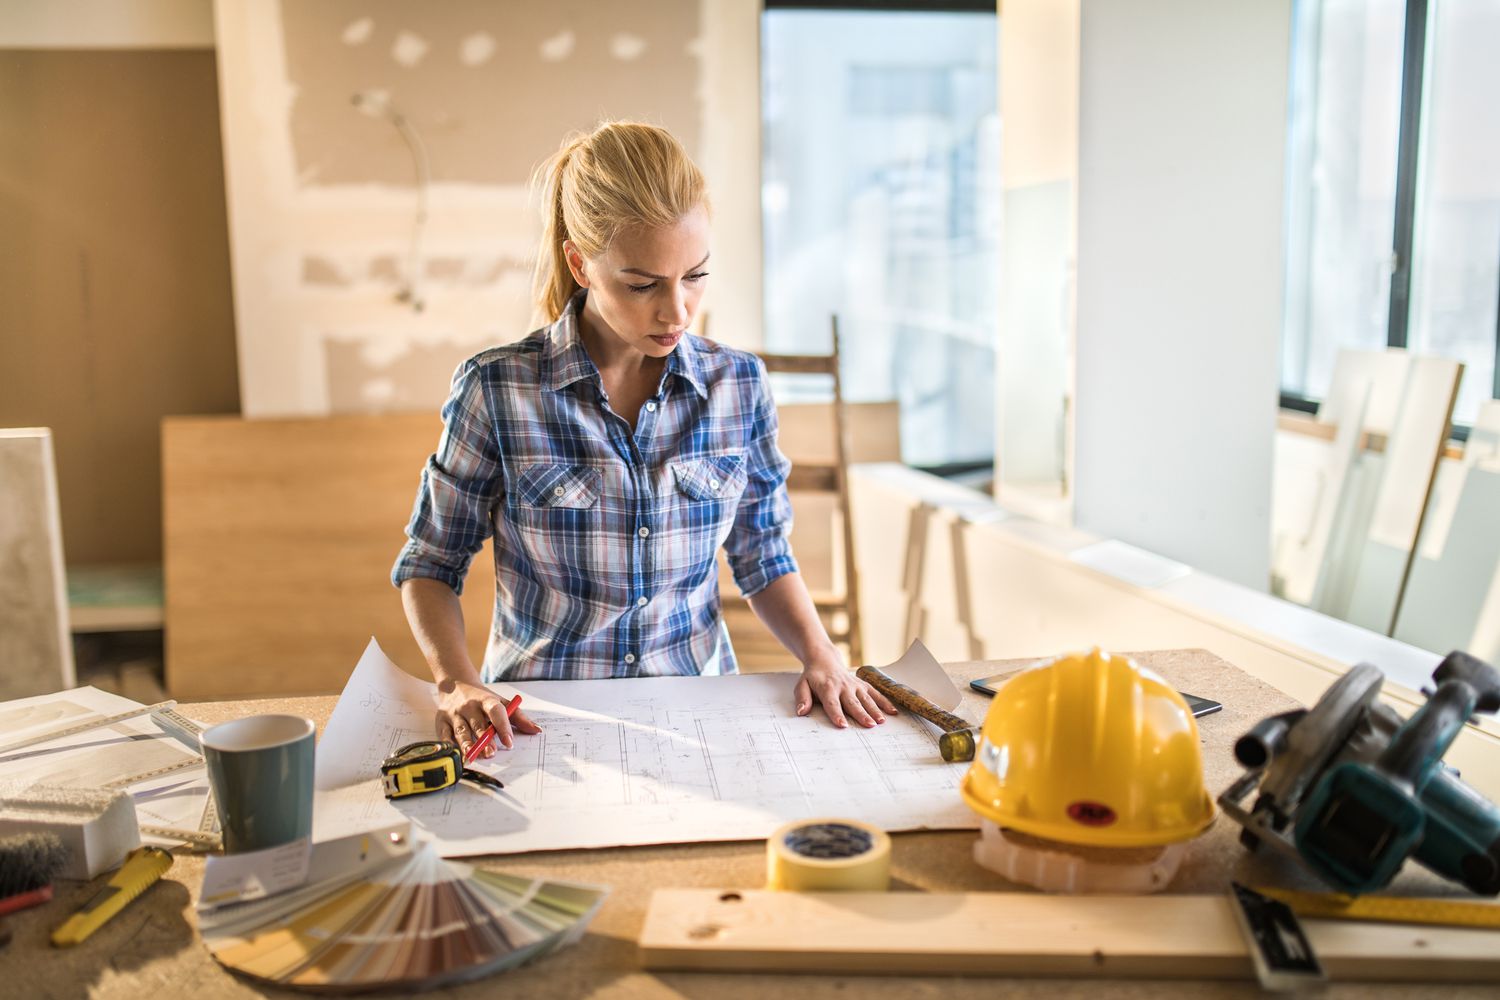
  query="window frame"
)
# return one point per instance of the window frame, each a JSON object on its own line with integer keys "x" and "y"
{"x": 1408, "y": 146}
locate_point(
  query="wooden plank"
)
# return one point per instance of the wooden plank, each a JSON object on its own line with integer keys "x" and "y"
{"x": 1016, "y": 934}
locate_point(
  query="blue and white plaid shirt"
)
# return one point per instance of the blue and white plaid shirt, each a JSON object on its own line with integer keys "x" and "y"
{"x": 605, "y": 541}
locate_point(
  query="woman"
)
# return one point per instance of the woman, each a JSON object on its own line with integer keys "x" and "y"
{"x": 611, "y": 453}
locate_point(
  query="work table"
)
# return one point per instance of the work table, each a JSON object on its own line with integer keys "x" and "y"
{"x": 153, "y": 948}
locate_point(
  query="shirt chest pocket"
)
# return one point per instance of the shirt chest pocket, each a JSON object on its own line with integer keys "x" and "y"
{"x": 703, "y": 479}
{"x": 559, "y": 487}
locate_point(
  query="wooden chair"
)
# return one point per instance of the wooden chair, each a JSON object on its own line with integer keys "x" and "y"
{"x": 840, "y": 611}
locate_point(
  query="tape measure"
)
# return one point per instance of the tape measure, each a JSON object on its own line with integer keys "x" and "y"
{"x": 1388, "y": 909}
{"x": 429, "y": 766}
{"x": 823, "y": 855}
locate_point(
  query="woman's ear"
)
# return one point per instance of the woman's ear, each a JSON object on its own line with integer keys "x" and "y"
{"x": 575, "y": 263}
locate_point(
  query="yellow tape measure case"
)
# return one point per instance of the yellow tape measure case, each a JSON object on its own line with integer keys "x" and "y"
{"x": 417, "y": 768}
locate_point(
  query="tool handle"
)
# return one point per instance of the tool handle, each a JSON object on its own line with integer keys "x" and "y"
{"x": 1418, "y": 746}
{"x": 910, "y": 700}
{"x": 142, "y": 868}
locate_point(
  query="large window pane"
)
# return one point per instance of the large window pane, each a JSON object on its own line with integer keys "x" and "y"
{"x": 1456, "y": 249}
{"x": 1346, "y": 110}
{"x": 881, "y": 200}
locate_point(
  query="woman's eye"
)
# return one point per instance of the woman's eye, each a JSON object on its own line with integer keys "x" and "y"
{"x": 642, "y": 289}
{"x": 697, "y": 277}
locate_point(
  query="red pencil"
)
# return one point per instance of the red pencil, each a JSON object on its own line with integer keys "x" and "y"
{"x": 489, "y": 733}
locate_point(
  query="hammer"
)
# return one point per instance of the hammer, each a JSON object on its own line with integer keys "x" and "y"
{"x": 957, "y": 741}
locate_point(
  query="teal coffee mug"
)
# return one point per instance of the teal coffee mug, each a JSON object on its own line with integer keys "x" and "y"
{"x": 261, "y": 771}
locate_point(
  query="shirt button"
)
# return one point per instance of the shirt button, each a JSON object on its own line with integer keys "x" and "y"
{"x": 629, "y": 657}
{"x": 643, "y": 532}
{"x": 713, "y": 484}
{"x": 650, "y": 407}
{"x": 558, "y": 491}
{"x": 641, "y": 602}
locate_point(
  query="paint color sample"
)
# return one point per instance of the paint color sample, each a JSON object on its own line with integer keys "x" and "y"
{"x": 415, "y": 922}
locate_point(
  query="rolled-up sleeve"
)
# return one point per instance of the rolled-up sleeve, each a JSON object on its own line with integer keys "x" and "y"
{"x": 759, "y": 545}
{"x": 461, "y": 483}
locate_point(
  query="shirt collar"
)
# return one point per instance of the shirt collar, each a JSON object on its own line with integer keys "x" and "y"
{"x": 568, "y": 361}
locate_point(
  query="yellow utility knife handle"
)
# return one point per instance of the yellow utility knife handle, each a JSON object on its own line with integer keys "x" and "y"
{"x": 142, "y": 867}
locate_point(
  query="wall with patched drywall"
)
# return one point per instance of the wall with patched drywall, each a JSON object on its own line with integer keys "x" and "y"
{"x": 359, "y": 288}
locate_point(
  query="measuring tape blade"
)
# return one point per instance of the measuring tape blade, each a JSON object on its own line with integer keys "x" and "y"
{"x": 84, "y": 727}
{"x": 1389, "y": 909}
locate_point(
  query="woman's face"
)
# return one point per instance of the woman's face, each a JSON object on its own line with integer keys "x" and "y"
{"x": 645, "y": 288}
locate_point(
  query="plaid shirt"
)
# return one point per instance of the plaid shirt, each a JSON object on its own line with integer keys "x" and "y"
{"x": 605, "y": 541}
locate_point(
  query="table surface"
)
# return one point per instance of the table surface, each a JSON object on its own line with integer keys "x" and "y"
{"x": 153, "y": 948}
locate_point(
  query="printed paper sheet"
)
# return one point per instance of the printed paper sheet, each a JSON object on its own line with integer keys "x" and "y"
{"x": 639, "y": 761}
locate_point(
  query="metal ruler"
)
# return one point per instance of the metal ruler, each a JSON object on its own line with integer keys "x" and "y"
{"x": 179, "y": 726}
{"x": 198, "y": 838}
{"x": 155, "y": 772}
{"x": 1388, "y": 909}
{"x": 84, "y": 727}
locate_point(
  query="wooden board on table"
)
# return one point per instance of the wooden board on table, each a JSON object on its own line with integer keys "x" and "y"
{"x": 1023, "y": 934}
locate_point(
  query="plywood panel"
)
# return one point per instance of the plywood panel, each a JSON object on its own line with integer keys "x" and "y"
{"x": 280, "y": 535}
{"x": 115, "y": 284}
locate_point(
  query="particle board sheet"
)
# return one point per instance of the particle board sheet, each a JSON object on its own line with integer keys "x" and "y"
{"x": 1024, "y": 934}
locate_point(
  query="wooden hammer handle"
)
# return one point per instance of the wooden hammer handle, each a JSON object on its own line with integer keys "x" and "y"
{"x": 910, "y": 700}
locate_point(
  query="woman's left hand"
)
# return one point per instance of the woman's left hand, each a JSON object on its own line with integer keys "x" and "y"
{"x": 841, "y": 694}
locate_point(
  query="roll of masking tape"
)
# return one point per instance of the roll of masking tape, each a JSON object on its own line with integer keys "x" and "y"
{"x": 828, "y": 855}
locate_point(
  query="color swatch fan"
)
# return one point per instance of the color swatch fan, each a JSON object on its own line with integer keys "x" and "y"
{"x": 414, "y": 922}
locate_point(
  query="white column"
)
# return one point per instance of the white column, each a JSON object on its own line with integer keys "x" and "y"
{"x": 1182, "y": 127}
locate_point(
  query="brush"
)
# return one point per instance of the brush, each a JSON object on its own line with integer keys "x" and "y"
{"x": 28, "y": 864}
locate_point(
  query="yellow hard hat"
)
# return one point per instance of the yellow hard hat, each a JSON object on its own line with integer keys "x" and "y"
{"x": 1091, "y": 749}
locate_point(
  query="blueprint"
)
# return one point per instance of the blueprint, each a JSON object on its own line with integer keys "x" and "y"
{"x": 634, "y": 761}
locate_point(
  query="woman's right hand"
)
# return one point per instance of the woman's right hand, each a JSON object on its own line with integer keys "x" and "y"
{"x": 466, "y": 710}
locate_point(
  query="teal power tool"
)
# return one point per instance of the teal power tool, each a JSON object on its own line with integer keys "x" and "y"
{"x": 1352, "y": 791}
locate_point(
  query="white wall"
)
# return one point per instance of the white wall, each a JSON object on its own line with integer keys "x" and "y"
{"x": 1182, "y": 129}
{"x": 318, "y": 244}
{"x": 106, "y": 24}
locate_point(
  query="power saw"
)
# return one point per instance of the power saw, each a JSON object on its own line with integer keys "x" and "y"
{"x": 1352, "y": 791}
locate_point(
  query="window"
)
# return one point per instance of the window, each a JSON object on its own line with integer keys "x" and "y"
{"x": 881, "y": 195}
{"x": 1393, "y": 189}
{"x": 1456, "y": 246}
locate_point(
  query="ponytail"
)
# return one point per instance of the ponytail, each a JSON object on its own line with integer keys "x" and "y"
{"x": 621, "y": 174}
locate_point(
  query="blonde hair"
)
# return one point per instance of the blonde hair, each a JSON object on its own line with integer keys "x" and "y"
{"x": 619, "y": 175}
